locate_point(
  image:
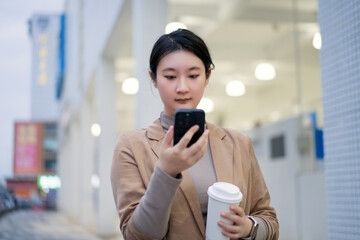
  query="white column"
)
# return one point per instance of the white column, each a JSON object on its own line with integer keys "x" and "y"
{"x": 68, "y": 126}
{"x": 68, "y": 200}
{"x": 86, "y": 163}
{"x": 107, "y": 218}
{"x": 149, "y": 21}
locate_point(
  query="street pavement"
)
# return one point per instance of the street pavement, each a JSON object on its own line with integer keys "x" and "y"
{"x": 43, "y": 225}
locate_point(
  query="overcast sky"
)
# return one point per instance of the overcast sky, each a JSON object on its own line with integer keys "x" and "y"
{"x": 15, "y": 69}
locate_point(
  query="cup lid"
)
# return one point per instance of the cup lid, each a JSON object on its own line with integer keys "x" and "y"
{"x": 225, "y": 192}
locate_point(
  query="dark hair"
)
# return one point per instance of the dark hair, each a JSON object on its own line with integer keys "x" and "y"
{"x": 181, "y": 39}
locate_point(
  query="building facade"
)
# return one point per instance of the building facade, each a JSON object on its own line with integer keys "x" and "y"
{"x": 110, "y": 41}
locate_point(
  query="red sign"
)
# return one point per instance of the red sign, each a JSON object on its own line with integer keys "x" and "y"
{"x": 28, "y": 148}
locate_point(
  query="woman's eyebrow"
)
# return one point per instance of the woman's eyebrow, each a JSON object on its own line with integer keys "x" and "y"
{"x": 168, "y": 69}
{"x": 194, "y": 68}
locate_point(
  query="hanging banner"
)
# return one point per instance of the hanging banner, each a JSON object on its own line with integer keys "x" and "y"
{"x": 28, "y": 148}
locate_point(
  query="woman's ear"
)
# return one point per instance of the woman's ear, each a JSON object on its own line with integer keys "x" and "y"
{"x": 208, "y": 76}
{"x": 153, "y": 80}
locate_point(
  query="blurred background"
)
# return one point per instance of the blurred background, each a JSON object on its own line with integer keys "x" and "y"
{"x": 74, "y": 74}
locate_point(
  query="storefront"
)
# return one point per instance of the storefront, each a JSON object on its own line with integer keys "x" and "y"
{"x": 109, "y": 43}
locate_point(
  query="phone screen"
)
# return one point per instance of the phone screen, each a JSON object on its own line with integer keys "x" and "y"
{"x": 184, "y": 120}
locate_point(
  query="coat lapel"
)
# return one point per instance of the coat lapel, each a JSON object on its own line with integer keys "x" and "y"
{"x": 222, "y": 153}
{"x": 155, "y": 133}
{"x": 187, "y": 187}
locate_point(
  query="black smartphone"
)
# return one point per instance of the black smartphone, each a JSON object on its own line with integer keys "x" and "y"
{"x": 184, "y": 120}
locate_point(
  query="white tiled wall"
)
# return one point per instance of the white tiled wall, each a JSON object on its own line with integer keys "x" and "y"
{"x": 340, "y": 68}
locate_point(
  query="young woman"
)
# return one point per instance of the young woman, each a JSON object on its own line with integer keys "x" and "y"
{"x": 160, "y": 190}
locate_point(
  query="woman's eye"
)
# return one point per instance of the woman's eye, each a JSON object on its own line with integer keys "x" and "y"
{"x": 194, "y": 76}
{"x": 170, "y": 77}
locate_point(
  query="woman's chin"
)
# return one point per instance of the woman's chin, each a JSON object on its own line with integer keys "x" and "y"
{"x": 185, "y": 106}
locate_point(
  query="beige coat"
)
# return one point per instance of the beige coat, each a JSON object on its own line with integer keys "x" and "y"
{"x": 135, "y": 155}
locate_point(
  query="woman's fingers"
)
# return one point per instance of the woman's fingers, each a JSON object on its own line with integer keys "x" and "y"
{"x": 231, "y": 216}
{"x": 187, "y": 137}
{"x": 168, "y": 137}
{"x": 198, "y": 148}
{"x": 231, "y": 235}
{"x": 201, "y": 142}
{"x": 229, "y": 228}
{"x": 240, "y": 226}
{"x": 175, "y": 159}
{"x": 235, "y": 215}
{"x": 238, "y": 210}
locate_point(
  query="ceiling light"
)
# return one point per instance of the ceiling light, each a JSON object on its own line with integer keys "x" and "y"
{"x": 235, "y": 88}
{"x": 95, "y": 181}
{"x": 206, "y": 104}
{"x": 130, "y": 86}
{"x": 265, "y": 71}
{"x": 317, "y": 41}
{"x": 95, "y": 129}
{"x": 173, "y": 26}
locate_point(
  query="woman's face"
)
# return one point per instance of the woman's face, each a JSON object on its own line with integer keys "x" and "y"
{"x": 181, "y": 80}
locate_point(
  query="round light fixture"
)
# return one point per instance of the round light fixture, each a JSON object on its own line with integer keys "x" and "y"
{"x": 95, "y": 129}
{"x": 206, "y": 104}
{"x": 265, "y": 71}
{"x": 95, "y": 181}
{"x": 235, "y": 88}
{"x": 317, "y": 41}
{"x": 173, "y": 26}
{"x": 130, "y": 86}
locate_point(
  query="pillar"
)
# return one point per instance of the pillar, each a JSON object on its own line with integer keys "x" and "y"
{"x": 86, "y": 163}
{"x": 340, "y": 68}
{"x": 149, "y": 21}
{"x": 105, "y": 87}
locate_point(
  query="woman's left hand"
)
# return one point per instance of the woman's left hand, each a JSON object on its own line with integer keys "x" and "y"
{"x": 241, "y": 226}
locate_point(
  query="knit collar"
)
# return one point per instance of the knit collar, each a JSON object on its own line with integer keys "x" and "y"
{"x": 166, "y": 121}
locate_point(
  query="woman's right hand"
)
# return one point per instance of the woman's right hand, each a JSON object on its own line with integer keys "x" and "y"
{"x": 175, "y": 159}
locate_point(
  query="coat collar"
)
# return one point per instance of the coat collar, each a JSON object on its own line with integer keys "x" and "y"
{"x": 222, "y": 154}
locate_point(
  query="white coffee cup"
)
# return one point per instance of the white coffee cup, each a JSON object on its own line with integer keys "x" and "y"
{"x": 221, "y": 196}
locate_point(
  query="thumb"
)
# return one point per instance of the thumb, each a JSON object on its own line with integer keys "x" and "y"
{"x": 168, "y": 137}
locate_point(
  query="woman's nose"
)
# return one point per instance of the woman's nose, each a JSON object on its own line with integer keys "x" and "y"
{"x": 182, "y": 86}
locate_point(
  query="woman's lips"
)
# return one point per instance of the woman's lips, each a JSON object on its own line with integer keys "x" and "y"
{"x": 182, "y": 100}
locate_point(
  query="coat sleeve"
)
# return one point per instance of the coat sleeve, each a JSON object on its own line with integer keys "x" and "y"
{"x": 260, "y": 197}
{"x": 128, "y": 187}
{"x": 144, "y": 210}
